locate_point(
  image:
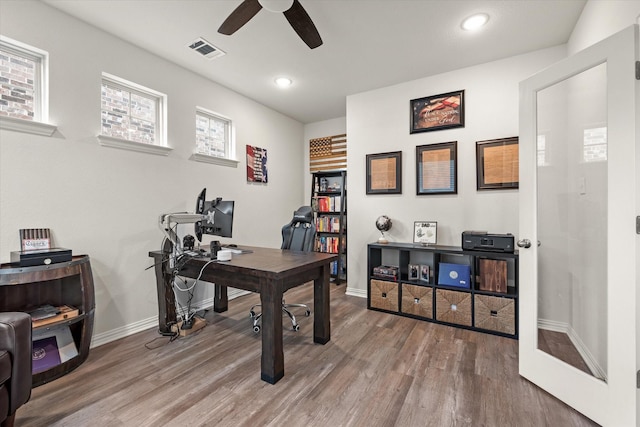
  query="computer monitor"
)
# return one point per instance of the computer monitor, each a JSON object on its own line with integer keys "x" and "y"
{"x": 217, "y": 216}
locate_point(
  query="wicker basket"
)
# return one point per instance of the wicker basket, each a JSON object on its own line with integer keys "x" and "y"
{"x": 417, "y": 300}
{"x": 384, "y": 295}
{"x": 495, "y": 313}
{"x": 453, "y": 307}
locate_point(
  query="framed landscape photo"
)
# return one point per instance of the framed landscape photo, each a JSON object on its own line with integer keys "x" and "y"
{"x": 436, "y": 168}
{"x": 437, "y": 112}
{"x": 384, "y": 173}
{"x": 425, "y": 232}
{"x": 497, "y": 164}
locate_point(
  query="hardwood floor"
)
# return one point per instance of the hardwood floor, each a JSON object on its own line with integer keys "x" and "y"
{"x": 559, "y": 345}
{"x": 377, "y": 370}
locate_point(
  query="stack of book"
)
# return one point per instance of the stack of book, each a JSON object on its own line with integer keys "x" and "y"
{"x": 328, "y": 203}
{"x": 48, "y": 314}
{"x": 386, "y": 272}
{"x": 328, "y": 224}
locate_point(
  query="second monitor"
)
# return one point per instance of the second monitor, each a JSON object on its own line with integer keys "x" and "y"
{"x": 217, "y": 216}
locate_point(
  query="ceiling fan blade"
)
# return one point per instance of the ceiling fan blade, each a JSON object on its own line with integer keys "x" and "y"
{"x": 240, "y": 16}
{"x": 303, "y": 25}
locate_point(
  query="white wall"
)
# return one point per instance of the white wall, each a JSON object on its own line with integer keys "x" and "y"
{"x": 105, "y": 202}
{"x": 601, "y": 19}
{"x": 378, "y": 121}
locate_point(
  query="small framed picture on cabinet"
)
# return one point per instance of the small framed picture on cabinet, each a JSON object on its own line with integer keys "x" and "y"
{"x": 425, "y": 273}
{"x": 414, "y": 272}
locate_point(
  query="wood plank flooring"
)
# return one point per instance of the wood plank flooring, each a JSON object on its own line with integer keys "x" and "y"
{"x": 377, "y": 370}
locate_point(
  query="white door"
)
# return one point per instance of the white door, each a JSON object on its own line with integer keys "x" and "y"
{"x": 579, "y": 198}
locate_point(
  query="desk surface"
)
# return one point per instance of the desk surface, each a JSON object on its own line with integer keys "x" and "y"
{"x": 267, "y": 271}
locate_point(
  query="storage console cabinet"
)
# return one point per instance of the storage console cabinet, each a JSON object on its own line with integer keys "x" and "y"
{"x": 65, "y": 283}
{"x": 424, "y": 282}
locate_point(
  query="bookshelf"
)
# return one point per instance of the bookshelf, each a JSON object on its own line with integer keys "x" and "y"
{"x": 67, "y": 284}
{"x": 329, "y": 203}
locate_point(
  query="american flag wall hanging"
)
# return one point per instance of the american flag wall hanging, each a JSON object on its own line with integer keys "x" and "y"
{"x": 328, "y": 153}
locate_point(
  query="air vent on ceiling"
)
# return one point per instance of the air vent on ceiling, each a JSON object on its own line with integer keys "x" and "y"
{"x": 205, "y": 49}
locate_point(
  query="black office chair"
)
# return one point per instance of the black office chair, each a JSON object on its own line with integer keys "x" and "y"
{"x": 298, "y": 235}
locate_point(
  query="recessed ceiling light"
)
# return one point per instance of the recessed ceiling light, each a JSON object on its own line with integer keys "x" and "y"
{"x": 474, "y": 22}
{"x": 283, "y": 82}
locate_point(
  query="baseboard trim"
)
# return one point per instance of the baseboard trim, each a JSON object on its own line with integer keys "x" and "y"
{"x": 152, "y": 322}
{"x": 583, "y": 350}
{"x": 355, "y": 292}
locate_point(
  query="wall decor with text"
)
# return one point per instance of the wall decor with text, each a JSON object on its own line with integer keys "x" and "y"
{"x": 437, "y": 112}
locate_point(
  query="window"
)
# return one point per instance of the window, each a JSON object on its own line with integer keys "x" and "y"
{"x": 594, "y": 144}
{"x": 132, "y": 116}
{"x": 214, "y": 137}
{"x": 23, "y": 87}
{"x": 542, "y": 150}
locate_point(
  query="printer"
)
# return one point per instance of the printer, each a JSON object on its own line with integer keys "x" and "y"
{"x": 483, "y": 241}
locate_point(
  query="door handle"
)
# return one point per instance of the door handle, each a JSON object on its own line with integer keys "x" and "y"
{"x": 524, "y": 243}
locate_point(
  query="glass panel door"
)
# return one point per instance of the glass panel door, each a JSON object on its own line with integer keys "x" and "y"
{"x": 579, "y": 197}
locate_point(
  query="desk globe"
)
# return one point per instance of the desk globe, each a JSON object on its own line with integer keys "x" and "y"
{"x": 383, "y": 223}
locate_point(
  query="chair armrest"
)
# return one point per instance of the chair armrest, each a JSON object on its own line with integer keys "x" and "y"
{"x": 15, "y": 338}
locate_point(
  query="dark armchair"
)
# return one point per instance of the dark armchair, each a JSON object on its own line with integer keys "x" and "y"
{"x": 15, "y": 364}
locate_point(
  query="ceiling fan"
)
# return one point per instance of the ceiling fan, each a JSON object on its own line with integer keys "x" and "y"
{"x": 292, "y": 10}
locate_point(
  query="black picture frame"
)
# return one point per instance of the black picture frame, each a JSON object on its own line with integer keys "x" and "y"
{"x": 437, "y": 168}
{"x": 384, "y": 173}
{"x": 497, "y": 164}
{"x": 437, "y": 112}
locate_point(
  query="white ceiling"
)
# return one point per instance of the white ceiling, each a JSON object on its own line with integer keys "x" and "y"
{"x": 368, "y": 44}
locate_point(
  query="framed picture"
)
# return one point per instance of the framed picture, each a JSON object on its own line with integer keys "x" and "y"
{"x": 384, "y": 173}
{"x": 436, "y": 168}
{"x": 256, "y": 164}
{"x": 497, "y": 164}
{"x": 414, "y": 272}
{"x": 425, "y": 232}
{"x": 437, "y": 112}
{"x": 425, "y": 273}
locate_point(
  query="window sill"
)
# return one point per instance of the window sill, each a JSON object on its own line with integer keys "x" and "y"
{"x": 108, "y": 141}
{"x": 214, "y": 160}
{"x": 27, "y": 126}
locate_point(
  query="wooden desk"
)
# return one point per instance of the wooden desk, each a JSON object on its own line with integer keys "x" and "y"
{"x": 269, "y": 272}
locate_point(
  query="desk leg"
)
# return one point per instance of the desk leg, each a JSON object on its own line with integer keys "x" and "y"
{"x": 272, "y": 360}
{"x": 321, "y": 317}
{"x": 166, "y": 298}
{"x": 220, "y": 299}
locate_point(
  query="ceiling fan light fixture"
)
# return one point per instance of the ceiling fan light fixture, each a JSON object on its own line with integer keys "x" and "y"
{"x": 276, "y": 5}
{"x": 283, "y": 82}
{"x": 475, "y": 22}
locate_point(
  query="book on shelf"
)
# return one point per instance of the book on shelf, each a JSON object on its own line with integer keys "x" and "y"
{"x": 327, "y": 203}
{"x": 60, "y": 313}
{"x": 45, "y": 354}
{"x": 386, "y": 272}
{"x": 325, "y": 224}
{"x": 51, "y": 347}
{"x": 43, "y": 312}
{"x": 329, "y": 244}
